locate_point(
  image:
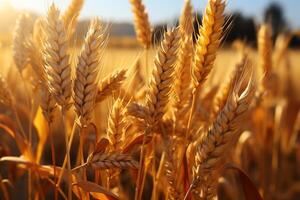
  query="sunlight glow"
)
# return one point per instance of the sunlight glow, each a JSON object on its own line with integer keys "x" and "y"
{"x": 5, "y": 3}
{"x": 25, "y": 4}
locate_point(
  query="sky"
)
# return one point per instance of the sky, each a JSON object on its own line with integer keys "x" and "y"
{"x": 160, "y": 10}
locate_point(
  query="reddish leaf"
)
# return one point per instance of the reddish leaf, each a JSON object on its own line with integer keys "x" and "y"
{"x": 250, "y": 191}
{"x": 101, "y": 146}
{"x": 95, "y": 189}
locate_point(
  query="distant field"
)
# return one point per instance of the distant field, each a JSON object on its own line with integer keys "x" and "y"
{"x": 124, "y": 57}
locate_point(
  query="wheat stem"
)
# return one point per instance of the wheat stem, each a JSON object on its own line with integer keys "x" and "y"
{"x": 53, "y": 159}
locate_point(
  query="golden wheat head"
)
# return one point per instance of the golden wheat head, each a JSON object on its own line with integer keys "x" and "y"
{"x": 208, "y": 41}
{"x": 162, "y": 76}
{"x": 22, "y": 32}
{"x": 214, "y": 144}
{"x": 141, "y": 22}
{"x": 87, "y": 71}
{"x": 56, "y": 58}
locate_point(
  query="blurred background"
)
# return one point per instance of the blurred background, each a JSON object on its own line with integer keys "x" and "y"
{"x": 245, "y": 17}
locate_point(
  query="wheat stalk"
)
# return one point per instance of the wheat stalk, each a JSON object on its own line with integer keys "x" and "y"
{"x": 110, "y": 84}
{"x": 86, "y": 81}
{"x": 57, "y": 63}
{"x": 162, "y": 76}
{"x": 209, "y": 39}
{"x": 22, "y": 32}
{"x": 170, "y": 166}
{"x": 217, "y": 141}
{"x": 141, "y": 23}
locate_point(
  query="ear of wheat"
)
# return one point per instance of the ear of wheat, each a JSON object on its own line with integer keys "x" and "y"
{"x": 138, "y": 81}
{"x": 110, "y": 84}
{"x": 73, "y": 11}
{"x": 208, "y": 41}
{"x": 265, "y": 48}
{"x": 116, "y": 125}
{"x": 141, "y": 23}
{"x": 221, "y": 98}
{"x": 183, "y": 73}
{"x": 70, "y": 16}
{"x": 138, "y": 111}
{"x": 162, "y": 76}
{"x": 34, "y": 46}
{"x": 215, "y": 143}
{"x": 38, "y": 35}
{"x": 47, "y": 103}
{"x": 57, "y": 63}
{"x": 87, "y": 71}
{"x": 186, "y": 20}
{"x": 110, "y": 161}
{"x": 183, "y": 68}
{"x": 22, "y": 32}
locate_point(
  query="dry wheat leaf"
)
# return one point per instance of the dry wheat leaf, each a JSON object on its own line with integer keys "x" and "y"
{"x": 94, "y": 188}
{"x": 41, "y": 126}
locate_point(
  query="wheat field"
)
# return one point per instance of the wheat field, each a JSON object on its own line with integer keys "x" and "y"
{"x": 185, "y": 118}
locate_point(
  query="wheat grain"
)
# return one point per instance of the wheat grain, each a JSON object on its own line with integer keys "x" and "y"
{"x": 57, "y": 63}
{"x": 141, "y": 22}
{"x": 87, "y": 71}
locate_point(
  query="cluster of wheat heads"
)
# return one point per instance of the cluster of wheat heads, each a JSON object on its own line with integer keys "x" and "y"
{"x": 170, "y": 137}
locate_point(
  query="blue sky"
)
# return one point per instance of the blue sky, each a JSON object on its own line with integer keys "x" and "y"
{"x": 162, "y": 10}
